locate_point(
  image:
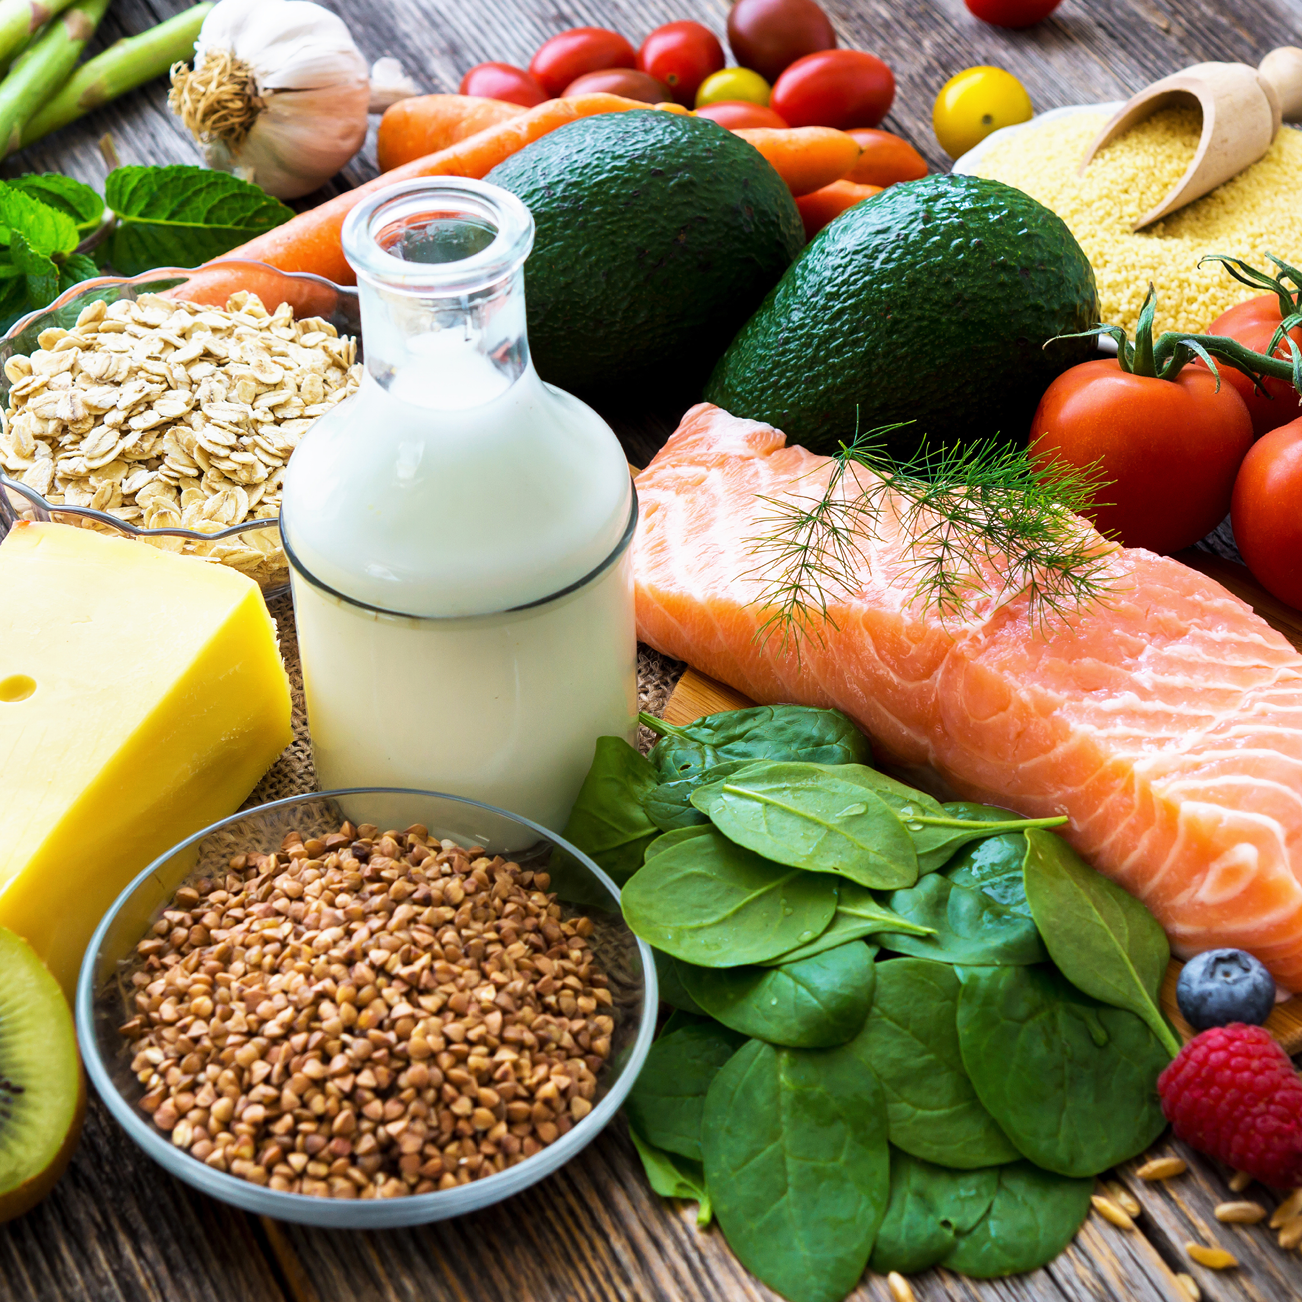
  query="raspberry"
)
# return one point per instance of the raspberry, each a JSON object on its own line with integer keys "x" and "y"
{"x": 1233, "y": 1093}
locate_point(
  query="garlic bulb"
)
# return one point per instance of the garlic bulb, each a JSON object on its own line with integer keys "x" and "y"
{"x": 278, "y": 93}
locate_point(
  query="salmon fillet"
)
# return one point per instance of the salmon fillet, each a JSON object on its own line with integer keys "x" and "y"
{"x": 1165, "y": 723}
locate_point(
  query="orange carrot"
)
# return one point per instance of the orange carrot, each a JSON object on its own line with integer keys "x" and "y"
{"x": 821, "y": 206}
{"x": 310, "y": 241}
{"x": 424, "y": 124}
{"x": 806, "y": 158}
{"x": 885, "y": 160}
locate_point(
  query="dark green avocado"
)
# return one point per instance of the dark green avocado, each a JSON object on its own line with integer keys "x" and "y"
{"x": 657, "y": 235}
{"x": 929, "y": 303}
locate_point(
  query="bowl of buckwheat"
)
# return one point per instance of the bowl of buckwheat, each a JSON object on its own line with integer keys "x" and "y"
{"x": 166, "y": 406}
{"x": 366, "y": 1008}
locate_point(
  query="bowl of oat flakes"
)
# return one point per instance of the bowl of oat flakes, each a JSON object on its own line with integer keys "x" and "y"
{"x": 366, "y": 1008}
{"x": 165, "y": 406}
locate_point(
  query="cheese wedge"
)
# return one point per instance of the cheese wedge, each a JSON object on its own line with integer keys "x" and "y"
{"x": 142, "y": 696}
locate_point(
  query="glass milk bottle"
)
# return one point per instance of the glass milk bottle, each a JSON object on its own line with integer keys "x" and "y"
{"x": 458, "y": 530}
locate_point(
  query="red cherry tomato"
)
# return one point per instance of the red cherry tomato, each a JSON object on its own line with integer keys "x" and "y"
{"x": 1252, "y": 324}
{"x": 503, "y": 81}
{"x": 886, "y": 159}
{"x": 1168, "y": 449}
{"x": 581, "y": 49}
{"x": 770, "y": 35}
{"x": 1012, "y": 13}
{"x": 682, "y": 55}
{"x": 740, "y": 113}
{"x": 822, "y": 206}
{"x": 1267, "y": 511}
{"x": 836, "y": 88}
{"x": 627, "y": 82}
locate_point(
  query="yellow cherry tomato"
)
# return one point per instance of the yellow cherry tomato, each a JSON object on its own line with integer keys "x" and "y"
{"x": 973, "y": 104}
{"x": 733, "y": 83}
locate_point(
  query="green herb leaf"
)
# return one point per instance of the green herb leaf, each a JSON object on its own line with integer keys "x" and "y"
{"x": 797, "y": 1163}
{"x": 65, "y": 195}
{"x": 994, "y": 867}
{"x": 672, "y": 990}
{"x": 670, "y": 806}
{"x": 797, "y": 815}
{"x": 40, "y": 274}
{"x": 1071, "y": 1081}
{"x": 676, "y": 837}
{"x": 1103, "y": 940}
{"x": 857, "y": 916}
{"x": 969, "y": 926}
{"x": 668, "y": 1097}
{"x": 771, "y": 732}
{"x": 673, "y": 1176}
{"x": 75, "y": 268}
{"x": 911, "y": 1042}
{"x": 708, "y": 901}
{"x": 182, "y": 216}
{"x": 45, "y": 230}
{"x": 811, "y": 1003}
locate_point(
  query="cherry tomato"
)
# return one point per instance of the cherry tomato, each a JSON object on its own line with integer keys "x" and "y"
{"x": 1168, "y": 449}
{"x": 682, "y": 55}
{"x": 1012, "y": 13}
{"x": 835, "y": 88}
{"x": 733, "y": 84}
{"x": 822, "y": 206}
{"x": 770, "y": 35}
{"x": 627, "y": 82}
{"x": 738, "y": 113}
{"x": 975, "y": 102}
{"x": 503, "y": 81}
{"x": 885, "y": 160}
{"x": 1267, "y": 511}
{"x": 1252, "y": 324}
{"x": 581, "y": 49}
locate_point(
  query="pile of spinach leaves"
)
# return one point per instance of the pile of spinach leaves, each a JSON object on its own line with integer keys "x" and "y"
{"x": 906, "y": 1034}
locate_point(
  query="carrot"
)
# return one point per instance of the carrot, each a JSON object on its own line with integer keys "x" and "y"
{"x": 414, "y": 127}
{"x": 821, "y": 206}
{"x": 885, "y": 160}
{"x": 806, "y": 158}
{"x": 311, "y": 241}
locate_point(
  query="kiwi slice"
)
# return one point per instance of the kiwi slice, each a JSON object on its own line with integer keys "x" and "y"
{"x": 42, "y": 1090}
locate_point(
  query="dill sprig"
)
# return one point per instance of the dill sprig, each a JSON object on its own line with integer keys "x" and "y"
{"x": 969, "y": 512}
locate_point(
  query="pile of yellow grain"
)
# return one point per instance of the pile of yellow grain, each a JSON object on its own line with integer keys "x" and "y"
{"x": 1255, "y": 213}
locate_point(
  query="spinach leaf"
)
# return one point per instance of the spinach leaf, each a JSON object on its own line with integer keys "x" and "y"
{"x": 970, "y": 927}
{"x": 672, "y": 990}
{"x": 1072, "y": 1082}
{"x": 1033, "y": 1217}
{"x": 857, "y": 915}
{"x": 994, "y": 867}
{"x": 812, "y": 1003}
{"x": 708, "y": 901}
{"x": 911, "y": 1043}
{"x": 930, "y": 1207}
{"x": 673, "y": 1176}
{"x": 779, "y": 732}
{"x": 607, "y": 822}
{"x": 797, "y": 1164}
{"x": 670, "y": 806}
{"x": 807, "y": 820}
{"x": 1102, "y": 939}
{"x": 671, "y": 839}
{"x": 667, "y": 1099}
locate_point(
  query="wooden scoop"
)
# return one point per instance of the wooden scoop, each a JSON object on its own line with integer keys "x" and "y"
{"x": 1242, "y": 109}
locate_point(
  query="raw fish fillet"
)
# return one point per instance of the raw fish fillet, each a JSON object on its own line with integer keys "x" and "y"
{"x": 1166, "y": 724}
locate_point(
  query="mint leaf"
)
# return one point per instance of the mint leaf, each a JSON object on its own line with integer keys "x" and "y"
{"x": 38, "y": 268}
{"x": 182, "y": 216}
{"x": 44, "y": 229}
{"x": 64, "y": 195}
{"x": 75, "y": 268}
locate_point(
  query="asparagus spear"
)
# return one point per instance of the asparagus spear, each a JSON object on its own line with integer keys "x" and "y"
{"x": 20, "y": 18}
{"x": 122, "y": 67}
{"x": 45, "y": 67}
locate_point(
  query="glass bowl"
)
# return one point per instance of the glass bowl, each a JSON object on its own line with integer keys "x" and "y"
{"x": 102, "y": 991}
{"x": 213, "y": 284}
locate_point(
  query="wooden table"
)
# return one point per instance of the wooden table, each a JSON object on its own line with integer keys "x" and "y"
{"x": 117, "y": 1228}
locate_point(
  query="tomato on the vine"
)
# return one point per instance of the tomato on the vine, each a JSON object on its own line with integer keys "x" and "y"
{"x": 835, "y": 88}
{"x": 503, "y": 81}
{"x": 1012, "y": 13}
{"x": 682, "y": 55}
{"x": 627, "y": 82}
{"x": 770, "y": 35}
{"x": 739, "y": 113}
{"x": 1267, "y": 511}
{"x": 562, "y": 59}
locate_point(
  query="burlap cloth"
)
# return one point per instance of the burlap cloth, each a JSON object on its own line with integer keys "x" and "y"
{"x": 293, "y": 773}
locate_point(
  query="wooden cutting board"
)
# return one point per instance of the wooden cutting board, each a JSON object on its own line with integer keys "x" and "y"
{"x": 697, "y": 695}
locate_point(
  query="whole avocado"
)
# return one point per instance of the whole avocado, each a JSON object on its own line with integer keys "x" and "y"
{"x": 657, "y": 235}
{"x": 929, "y": 303}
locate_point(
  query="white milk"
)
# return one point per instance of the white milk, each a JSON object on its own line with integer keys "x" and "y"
{"x": 459, "y": 533}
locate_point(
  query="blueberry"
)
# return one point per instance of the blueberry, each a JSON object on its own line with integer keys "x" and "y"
{"x": 1220, "y": 986}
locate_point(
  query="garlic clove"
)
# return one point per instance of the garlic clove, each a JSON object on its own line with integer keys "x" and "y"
{"x": 389, "y": 84}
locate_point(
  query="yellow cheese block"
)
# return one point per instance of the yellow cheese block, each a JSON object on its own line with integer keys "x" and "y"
{"x": 142, "y": 696}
